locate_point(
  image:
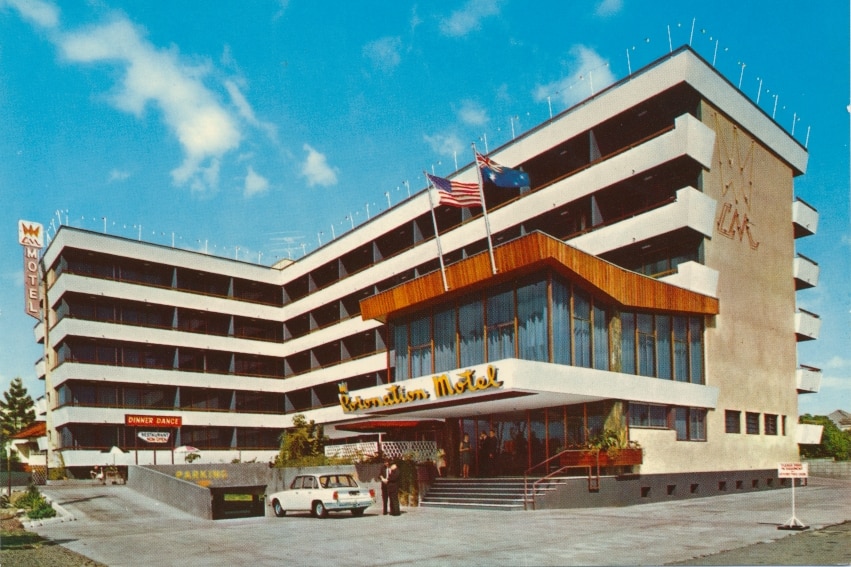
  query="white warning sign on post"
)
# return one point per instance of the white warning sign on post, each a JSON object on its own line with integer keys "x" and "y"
{"x": 792, "y": 470}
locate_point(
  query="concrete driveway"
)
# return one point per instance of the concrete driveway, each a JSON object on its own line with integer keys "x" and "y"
{"x": 117, "y": 526}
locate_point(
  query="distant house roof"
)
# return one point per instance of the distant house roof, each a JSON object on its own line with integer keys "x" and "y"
{"x": 37, "y": 429}
{"x": 841, "y": 418}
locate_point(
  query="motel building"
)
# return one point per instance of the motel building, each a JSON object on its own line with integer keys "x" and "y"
{"x": 642, "y": 288}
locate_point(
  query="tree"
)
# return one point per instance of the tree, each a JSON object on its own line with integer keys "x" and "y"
{"x": 17, "y": 410}
{"x": 304, "y": 444}
{"x": 835, "y": 443}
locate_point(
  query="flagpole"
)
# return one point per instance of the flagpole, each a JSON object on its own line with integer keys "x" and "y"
{"x": 484, "y": 208}
{"x": 436, "y": 235}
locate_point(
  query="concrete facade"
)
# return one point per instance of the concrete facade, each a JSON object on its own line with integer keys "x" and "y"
{"x": 672, "y": 175}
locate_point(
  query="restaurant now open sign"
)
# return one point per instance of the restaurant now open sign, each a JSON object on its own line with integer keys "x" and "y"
{"x": 131, "y": 420}
{"x": 154, "y": 436}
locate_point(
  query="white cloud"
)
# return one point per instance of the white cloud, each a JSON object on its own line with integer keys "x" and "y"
{"x": 469, "y": 17}
{"x": 118, "y": 175}
{"x": 316, "y": 169}
{"x": 445, "y": 144}
{"x": 837, "y": 362}
{"x": 589, "y": 74}
{"x": 472, "y": 113}
{"x": 255, "y": 183}
{"x": 205, "y": 129}
{"x": 609, "y": 7}
{"x": 384, "y": 53}
{"x": 247, "y": 112}
{"x": 42, "y": 14}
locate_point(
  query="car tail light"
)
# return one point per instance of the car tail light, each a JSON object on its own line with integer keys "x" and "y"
{"x": 372, "y": 492}
{"x": 335, "y": 496}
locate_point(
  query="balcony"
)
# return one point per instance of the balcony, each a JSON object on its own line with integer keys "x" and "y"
{"x": 696, "y": 277}
{"x": 692, "y": 209}
{"x": 808, "y": 434}
{"x": 807, "y": 325}
{"x": 38, "y": 332}
{"x": 40, "y": 369}
{"x": 805, "y": 272}
{"x": 808, "y": 379}
{"x": 804, "y": 218}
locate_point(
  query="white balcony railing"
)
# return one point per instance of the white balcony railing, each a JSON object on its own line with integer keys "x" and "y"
{"x": 807, "y": 325}
{"x": 805, "y": 272}
{"x": 804, "y": 218}
{"x": 808, "y": 379}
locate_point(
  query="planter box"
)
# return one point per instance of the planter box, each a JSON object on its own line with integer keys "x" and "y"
{"x": 587, "y": 458}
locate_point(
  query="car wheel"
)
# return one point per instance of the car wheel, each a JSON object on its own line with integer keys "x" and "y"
{"x": 278, "y": 509}
{"x": 358, "y": 511}
{"x": 319, "y": 509}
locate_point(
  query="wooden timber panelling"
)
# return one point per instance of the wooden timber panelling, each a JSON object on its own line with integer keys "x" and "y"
{"x": 529, "y": 254}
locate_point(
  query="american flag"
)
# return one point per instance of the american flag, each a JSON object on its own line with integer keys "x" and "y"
{"x": 456, "y": 193}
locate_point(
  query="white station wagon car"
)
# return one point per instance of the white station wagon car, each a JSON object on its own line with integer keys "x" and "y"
{"x": 322, "y": 493}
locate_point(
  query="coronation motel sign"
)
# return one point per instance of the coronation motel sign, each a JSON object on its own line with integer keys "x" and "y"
{"x": 465, "y": 383}
{"x": 31, "y": 237}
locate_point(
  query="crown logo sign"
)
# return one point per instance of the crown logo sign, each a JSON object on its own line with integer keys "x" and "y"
{"x": 31, "y": 230}
{"x": 30, "y": 233}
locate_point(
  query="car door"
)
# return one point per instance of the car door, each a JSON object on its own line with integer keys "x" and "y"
{"x": 295, "y": 495}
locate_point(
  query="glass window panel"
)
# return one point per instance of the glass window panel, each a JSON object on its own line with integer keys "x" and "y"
{"x": 420, "y": 347}
{"x": 471, "y": 327}
{"x": 582, "y": 329}
{"x": 733, "y": 421}
{"x": 532, "y": 321}
{"x": 561, "y": 323}
{"x": 601, "y": 338}
{"x": 420, "y": 361}
{"x": 628, "y": 343}
{"x": 663, "y": 346}
{"x": 646, "y": 345}
{"x": 420, "y": 332}
{"x": 500, "y": 317}
{"x": 445, "y": 351}
{"x": 681, "y": 423}
{"x": 697, "y": 424}
{"x": 400, "y": 344}
{"x": 680, "y": 349}
{"x": 696, "y": 349}
{"x": 639, "y": 415}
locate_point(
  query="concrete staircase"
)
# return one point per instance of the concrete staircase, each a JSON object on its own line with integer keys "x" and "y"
{"x": 482, "y": 493}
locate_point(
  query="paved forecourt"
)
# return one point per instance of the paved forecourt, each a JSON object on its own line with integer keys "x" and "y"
{"x": 117, "y": 526}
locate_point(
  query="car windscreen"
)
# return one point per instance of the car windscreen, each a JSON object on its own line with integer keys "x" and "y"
{"x": 337, "y": 480}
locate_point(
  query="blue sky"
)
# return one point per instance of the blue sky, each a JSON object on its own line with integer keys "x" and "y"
{"x": 259, "y": 129}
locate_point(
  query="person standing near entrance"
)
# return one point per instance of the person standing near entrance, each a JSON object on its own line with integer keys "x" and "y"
{"x": 482, "y": 454}
{"x": 393, "y": 489}
{"x": 385, "y": 491}
{"x": 466, "y": 456}
{"x": 492, "y": 453}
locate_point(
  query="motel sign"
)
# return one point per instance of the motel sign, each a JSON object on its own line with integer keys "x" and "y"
{"x": 31, "y": 237}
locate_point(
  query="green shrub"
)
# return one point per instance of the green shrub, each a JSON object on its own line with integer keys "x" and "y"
{"x": 42, "y": 510}
{"x": 34, "y": 503}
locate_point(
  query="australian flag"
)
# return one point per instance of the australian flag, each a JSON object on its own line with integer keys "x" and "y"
{"x": 500, "y": 175}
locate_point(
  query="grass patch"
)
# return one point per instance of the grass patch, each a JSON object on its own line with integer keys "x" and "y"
{"x": 21, "y": 539}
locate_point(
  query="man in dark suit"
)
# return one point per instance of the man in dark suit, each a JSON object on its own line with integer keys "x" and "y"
{"x": 393, "y": 489}
{"x": 385, "y": 491}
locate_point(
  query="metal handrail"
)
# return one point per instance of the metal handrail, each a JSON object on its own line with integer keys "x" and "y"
{"x": 554, "y": 473}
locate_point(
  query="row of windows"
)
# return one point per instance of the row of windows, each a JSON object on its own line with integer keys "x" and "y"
{"x": 139, "y": 355}
{"x": 550, "y": 321}
{"x": 772, "y": 424}
{"x": 124, "y": 312}
{"x": 103, "y": 436}
{"x": 689, "y": 423}
{"x": 117, "y": 268}
{"x": 112, "y": 395}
